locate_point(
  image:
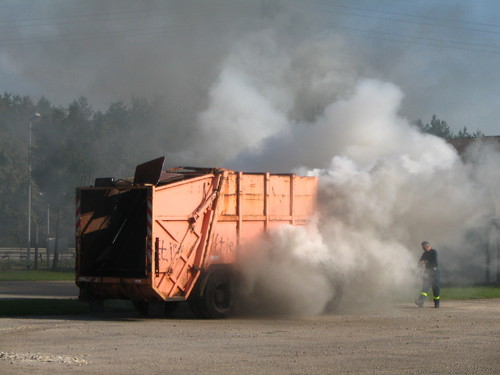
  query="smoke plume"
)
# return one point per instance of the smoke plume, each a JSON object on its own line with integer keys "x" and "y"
{"x": 384, "y": 186}
{"x": 314, "y": 88}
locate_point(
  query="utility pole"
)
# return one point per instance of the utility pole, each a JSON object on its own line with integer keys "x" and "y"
{"x": 28, "y": 250}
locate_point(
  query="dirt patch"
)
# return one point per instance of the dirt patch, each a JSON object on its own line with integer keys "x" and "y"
{"x": 462, "y": 337}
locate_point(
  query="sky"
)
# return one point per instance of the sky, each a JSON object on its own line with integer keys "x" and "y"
{"x": 443, "y": 55}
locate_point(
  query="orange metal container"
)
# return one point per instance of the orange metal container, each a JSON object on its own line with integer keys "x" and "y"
{"x": 176, "y": 238}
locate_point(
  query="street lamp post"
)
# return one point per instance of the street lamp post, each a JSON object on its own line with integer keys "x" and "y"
{"x": 28, "y": 255}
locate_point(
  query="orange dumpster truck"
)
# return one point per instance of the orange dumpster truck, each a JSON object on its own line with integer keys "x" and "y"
{"x": 168, "y": 236}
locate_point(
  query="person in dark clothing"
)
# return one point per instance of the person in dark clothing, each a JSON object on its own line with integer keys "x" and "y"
{"x": 429, "y": 260}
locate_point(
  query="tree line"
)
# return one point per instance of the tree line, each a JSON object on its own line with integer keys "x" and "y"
{"x": 441, "y": 129}
{"x": 69, "y": 146}
{"x": 72, "y": 145}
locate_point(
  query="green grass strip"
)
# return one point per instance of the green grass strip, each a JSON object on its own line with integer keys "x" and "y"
{"x": 474, "y": 292}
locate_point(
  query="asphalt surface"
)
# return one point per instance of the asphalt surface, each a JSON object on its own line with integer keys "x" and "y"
{"x": 38, "y": 289}
{"x": 460, "y": 338}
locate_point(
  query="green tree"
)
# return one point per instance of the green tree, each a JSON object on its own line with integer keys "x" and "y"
{"x": 436, "y": 127}
{"x": 441, "y": 129}
{"x": 15, "y": 112}
{"x": 464, "y": 133}
{"x": 64, "y": 159}
{"x": 71, "y": 145}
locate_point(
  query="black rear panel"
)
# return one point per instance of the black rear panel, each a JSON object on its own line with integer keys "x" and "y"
{"x": 114, "y": 232}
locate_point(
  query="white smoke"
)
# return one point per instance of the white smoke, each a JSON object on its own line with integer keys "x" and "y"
{"x": 266, "y": 89}
{"x": 384, "y": 186}
{"x": 285, "y": 273}
{"x": 248, "y": 102}
{"x": 287, "y": 98}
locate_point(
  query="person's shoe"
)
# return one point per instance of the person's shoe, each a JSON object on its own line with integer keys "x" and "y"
{"x": 419, "y": 302}
{"x": 436, "y": 304}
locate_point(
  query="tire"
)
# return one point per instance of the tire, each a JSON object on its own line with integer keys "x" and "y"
{"x": 217, "y": 298}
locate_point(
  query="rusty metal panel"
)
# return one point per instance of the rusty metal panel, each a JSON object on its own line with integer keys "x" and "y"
{"x": 149, "y": 172}
{"x": 228, "y": 204}
{"x": 252, "y": 198}
{"x": 305, "y": 192}
{"x": 181, "y": 217}
{"x": 224, "y": 242}
{"x": 279, "y": 201}
{"x": 191, "y": 221}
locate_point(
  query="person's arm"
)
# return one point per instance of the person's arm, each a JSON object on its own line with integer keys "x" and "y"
{"x": 422, "y": 261}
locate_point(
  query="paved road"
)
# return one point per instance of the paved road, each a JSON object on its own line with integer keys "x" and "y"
{"x": 38, "y": 289}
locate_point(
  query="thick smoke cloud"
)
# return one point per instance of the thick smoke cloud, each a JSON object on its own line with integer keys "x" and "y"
{"x": 111, "y": 51}
{"x": 268, "y": 87}
{"x": 385, "y": 186}
{"x": 443, "y": 55}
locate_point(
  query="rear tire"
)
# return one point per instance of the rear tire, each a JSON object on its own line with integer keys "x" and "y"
{"x": 217, "y": 298}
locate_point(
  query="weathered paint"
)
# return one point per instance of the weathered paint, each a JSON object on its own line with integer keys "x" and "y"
{"x": 194, "y": 223}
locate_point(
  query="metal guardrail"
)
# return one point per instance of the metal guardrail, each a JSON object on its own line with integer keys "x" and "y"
{"x": 16, "y": 257}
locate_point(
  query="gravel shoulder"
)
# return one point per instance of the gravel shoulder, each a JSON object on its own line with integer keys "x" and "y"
{"x": 462, "y": 337}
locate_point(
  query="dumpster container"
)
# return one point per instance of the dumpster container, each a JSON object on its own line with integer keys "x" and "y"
{"x": 174, "y": 235}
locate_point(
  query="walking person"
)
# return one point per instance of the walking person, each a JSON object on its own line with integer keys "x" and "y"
{"x": 430, "y": 279}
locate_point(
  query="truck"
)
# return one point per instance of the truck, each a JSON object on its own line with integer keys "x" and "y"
{"x": 169, "y": 236}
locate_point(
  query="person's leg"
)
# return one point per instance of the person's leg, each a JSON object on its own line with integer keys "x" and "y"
{"x": 436, "y": 288}
{"x": 426, "y": 284}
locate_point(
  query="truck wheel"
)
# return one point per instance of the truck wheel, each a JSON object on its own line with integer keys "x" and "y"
{"x": 336, "y": 297}
{"x": 216, "y": 301}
